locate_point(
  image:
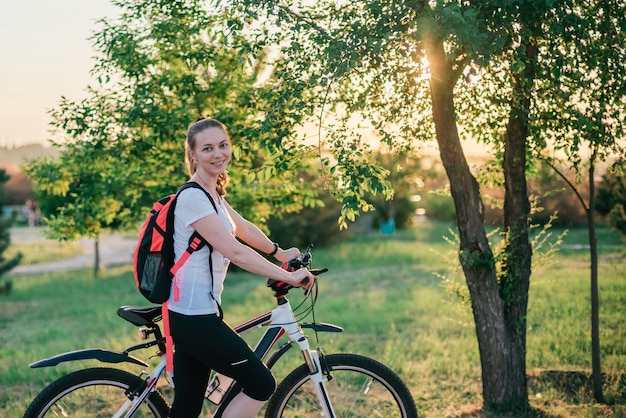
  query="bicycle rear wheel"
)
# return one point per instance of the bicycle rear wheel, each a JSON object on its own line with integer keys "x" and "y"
{"x": 96, "y": 392}
{"x": 360, "y": 387}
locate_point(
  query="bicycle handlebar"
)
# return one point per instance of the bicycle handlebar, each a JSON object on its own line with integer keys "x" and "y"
{"x": 300, "y": 262}
{"x": 304, "y": 261}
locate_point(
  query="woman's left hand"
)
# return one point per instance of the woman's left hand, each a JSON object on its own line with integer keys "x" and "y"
{"x": 286, "y": 255}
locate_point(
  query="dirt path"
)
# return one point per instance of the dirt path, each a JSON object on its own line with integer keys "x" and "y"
{"x": 114, "y": 250}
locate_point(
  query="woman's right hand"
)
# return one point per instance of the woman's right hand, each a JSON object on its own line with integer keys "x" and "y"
{"x": 302, "y": 278}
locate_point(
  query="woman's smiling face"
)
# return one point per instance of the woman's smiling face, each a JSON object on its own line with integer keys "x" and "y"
{"x": 212, "y": 150}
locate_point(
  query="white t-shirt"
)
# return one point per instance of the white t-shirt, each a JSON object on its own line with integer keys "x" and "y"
{"x": 194, "y": 278}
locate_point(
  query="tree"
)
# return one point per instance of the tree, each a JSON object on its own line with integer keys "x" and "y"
{"x": 418, "y": 70}
{"x": 80, "y": 194}
{"x": 6, "y": 264}
{"x": 160, "y": 66}
{"x": 587, "y": 81}
{"x": 397, "y": 64}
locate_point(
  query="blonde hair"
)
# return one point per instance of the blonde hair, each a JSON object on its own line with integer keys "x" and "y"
{"x": 194, "y": 129}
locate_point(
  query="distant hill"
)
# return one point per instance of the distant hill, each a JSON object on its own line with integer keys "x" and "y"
{"x": 19, "y": 187}
{"x": 15, "y": 156}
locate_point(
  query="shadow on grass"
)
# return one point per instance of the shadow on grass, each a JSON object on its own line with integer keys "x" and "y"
{"x": 575, "y": 386}
{"x": 572, "y": 391}
{"x": 482, "y": 414}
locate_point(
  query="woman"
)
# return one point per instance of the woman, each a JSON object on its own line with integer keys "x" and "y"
{"x": 204, "y": 342}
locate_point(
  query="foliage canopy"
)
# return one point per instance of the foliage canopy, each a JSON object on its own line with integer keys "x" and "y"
{"x": 160, "y": 66}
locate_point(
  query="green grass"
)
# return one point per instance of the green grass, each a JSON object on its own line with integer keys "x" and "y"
{"x": 388, "y": 295}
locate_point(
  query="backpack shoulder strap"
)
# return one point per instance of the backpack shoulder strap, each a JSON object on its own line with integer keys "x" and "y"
{"x": 195, "y": 241}
{"x": 194, "y": 185}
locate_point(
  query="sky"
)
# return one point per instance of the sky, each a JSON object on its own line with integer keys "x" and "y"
{"x": 44, "y": 54}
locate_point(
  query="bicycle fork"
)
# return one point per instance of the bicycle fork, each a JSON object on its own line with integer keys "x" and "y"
{"x": 316, "y": 372}
{"x": 317, "y": 378}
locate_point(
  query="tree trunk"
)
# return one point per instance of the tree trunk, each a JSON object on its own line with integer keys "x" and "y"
{"x": 595, "y": 303}
{"x": 502, "y": 359}
{"x": 96, "y": 262}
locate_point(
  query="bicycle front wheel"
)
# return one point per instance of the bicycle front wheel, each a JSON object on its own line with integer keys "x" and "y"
{"x": 360, "y": 387}
{"x": 96, "y": 392}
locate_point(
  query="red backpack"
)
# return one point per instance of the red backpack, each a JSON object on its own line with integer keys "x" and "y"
{"x": 153, "y": 260}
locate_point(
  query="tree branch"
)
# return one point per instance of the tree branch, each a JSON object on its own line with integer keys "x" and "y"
{"x": 569, "y": 183}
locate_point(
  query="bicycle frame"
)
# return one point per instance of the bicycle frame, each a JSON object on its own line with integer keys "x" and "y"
{"x": 279, "y": 322}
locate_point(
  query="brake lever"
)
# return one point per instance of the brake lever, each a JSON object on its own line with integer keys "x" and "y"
{"x": 315, "y": 272}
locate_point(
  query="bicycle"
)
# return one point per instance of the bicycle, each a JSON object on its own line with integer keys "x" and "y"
{"x": 334, "y": 385}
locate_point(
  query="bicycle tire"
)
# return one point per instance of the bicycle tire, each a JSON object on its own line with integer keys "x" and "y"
{"x": 360, "y": 387}
{"x": 94, "y": 392}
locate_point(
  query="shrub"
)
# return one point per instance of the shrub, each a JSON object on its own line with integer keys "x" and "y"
{"x": 611, "y": 200}
{"x": 316, "y": 226}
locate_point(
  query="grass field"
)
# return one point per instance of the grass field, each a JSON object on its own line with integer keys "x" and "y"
{"x": 389, "y": 294}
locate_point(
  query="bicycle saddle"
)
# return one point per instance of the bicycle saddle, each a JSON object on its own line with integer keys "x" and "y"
{"x": 140, "y": 315}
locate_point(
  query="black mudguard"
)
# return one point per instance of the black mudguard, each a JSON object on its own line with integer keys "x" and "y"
{"x": 322, "y": 327}
{"x": 319, "y": 327}
{"x": 99, "y": 354}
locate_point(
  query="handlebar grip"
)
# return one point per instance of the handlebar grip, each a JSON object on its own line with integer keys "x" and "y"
{"x": 287, "y": 265}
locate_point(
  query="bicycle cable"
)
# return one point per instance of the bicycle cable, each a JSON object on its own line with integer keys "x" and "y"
{"x": 312, "y": 297}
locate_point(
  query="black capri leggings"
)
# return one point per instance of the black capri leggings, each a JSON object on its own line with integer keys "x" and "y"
{"x": 205, "y": 343}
